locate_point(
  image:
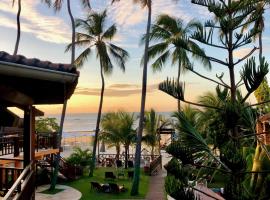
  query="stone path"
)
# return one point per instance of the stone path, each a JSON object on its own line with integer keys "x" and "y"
{"x": 156, "y": 187}
{"x": 68, "y": 193}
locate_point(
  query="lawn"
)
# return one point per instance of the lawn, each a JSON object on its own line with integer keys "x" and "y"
{"x": 83, "y": 185}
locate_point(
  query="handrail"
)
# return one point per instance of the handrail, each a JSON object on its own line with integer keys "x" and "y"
{"x": 18, "y": 183}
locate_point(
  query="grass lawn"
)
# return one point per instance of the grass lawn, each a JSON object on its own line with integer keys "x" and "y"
{"x": 83, "y": 185}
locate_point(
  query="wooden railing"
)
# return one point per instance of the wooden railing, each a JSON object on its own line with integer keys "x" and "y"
{"x": 46, "y": 140}
{"x": 69, "y": 171}
{"x": 101, "y": 157}
{"x": 24, "y": 186}
{"x": 12, "y": 142}
{"x": 155, "y": 165}
{"x": 8, "y": 177}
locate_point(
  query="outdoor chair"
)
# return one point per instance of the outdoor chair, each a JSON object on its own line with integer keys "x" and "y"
{"x": 96, "y": 186}
{"x": 119, "y": 163}
{"x": 116, "y": 188}
{"x": 130, "y": 174}
{"x": 109, "y": 175}
{"x": 130, "y": 164}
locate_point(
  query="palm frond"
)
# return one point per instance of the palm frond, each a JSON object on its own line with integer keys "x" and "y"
{"x": 173, "y": 88}
{"x": 80, "y": 60}
{"x": 110, "y": 32}
{"x": 253, "y": 75}
{"x": 119, "y": 55}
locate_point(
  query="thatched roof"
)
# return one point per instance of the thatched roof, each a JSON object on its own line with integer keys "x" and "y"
{"x": 34, "y": 62}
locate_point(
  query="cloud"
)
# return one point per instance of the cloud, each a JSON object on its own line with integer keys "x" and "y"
{"x": 242, "y": 52}
{"x": 47, "y": 28}
{"x": 116, "y": 90}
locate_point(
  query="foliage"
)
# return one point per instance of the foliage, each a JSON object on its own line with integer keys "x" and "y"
{"x": 226, "y": 120}
{"x": 118, "y": 129}
{"x": 47, "y": 125}
{"x": 262, "y": 94}
{"x": 80, "y": 157}
{"x": 152, "y": 122}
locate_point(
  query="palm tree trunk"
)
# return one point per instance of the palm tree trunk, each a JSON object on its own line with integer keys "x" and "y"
{"x": 260, "y": 45}
{"x": 18, "y": 28}
{"x": 152, "y": 153}
{"x": 136, "y": 178}
{"x": 178, "y": 81}
{"x": 126, "y": 156}
{"x": 92, "y": 167}
{"x": 54, "y": 179}
{"x": 55, "y": 172}
{"x": 73, "y": 32}
{"x": 117, "y": 151}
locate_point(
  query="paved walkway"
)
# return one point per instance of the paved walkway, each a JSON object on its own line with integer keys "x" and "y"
{"x": 68, "y": 193}
{"x": 156, "y": 187}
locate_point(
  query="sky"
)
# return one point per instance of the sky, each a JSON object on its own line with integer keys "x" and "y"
{"x": 46, "y": 33}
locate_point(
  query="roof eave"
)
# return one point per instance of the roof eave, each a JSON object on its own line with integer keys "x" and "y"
{"x": 19, "y": 70}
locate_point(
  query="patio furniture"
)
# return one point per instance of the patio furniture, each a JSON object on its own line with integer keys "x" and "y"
{"x": 116, "y": 188}
{"x": 130, "y": 164}
{"x": 109, "y": 175}
{"x": 130, "y": 174}
{"x": 119, "y": 163}
{"x": 96, "y": 186}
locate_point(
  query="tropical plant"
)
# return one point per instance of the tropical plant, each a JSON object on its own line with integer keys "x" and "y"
{"x": 96, "y": 36}
{"x": 18, "y": 26}
{"x": 224, "y": 32}
{"x": 110, "y": 131}
{"x": 118, "y": 129}
{"x": 170, "y": 35}
{"x": 80, "y": 157}
{"x": 262, "y": 94}
{"x": 151, "y": 137}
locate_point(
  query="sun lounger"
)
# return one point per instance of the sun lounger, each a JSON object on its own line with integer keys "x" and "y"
{"x": 96, "y": 186}
{"x": 116, "y": 188}
{"x": 109, "y": 175}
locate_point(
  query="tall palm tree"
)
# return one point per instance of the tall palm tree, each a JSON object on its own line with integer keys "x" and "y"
{"x": 128, "y": 134}
{"x": 95, "y": 36}
{"x": 57, "y": 4}
{"x": 18, "y": 26}
{"x": 135, "y": 185}
{"x": 173, "y": 43}
{"x": 152, "y": 123}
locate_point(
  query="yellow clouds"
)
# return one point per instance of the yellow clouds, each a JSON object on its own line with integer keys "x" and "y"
{"x": 116, "y": 90}
{"x": 46, "y": 28}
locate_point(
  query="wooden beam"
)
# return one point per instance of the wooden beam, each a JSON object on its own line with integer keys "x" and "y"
{"x": 14, "y": 96}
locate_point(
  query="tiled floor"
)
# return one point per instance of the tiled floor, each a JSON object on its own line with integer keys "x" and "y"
{"x": 67, "y": 194}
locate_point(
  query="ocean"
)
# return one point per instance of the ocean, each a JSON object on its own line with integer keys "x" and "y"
{"x": 79, "y": 131}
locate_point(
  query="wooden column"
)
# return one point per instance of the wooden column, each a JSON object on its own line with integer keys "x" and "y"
{"x": 29, "y": 135}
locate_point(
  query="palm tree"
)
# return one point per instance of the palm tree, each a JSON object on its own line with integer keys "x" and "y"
{"x": 110, "y": 131}
{"x": 18, "y": 26}
{"x": 57, "y": 4}
{"x": 95, "y": 36}
{"x": 127, "y": 133}
{"x": 173, "y": 43}
{"x": 152, "y": 123}
{"x": 135, "y": 185}
{"x": 118, "y": 129}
